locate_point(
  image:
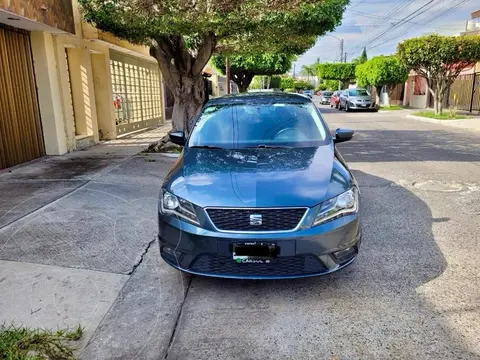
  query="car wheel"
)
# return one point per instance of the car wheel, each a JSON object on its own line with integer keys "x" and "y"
{"x": 347, "y": 109}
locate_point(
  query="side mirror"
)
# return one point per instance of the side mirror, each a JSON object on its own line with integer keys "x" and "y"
{"x": 342, "y": 135}
{"x": 177, "y": 137}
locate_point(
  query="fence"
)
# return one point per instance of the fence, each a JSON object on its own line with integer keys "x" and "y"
{"x": 464, "y": 94}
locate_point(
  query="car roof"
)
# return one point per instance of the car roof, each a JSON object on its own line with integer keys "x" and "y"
{"x": 259, "y": 98}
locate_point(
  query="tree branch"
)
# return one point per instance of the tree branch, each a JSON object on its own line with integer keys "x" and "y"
{"x": 205, "y": 51}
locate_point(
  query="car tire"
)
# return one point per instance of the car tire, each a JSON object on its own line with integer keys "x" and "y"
{"x": 347, "y": 109}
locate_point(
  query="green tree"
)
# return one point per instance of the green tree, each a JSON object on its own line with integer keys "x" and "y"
{"x": 362, "y": 58}
{"x": 183, "y": 34}
{"x": 308, "y": 70}
{"x": 439, "y": 59}
{"x": 244, "y": 68}
{"x": 302, "y": 85}
{"x": 344, "y": 72}
{"x": 382, "y": 71}
{"x": 331, "y": 84}
{"x": 287, "y": 82}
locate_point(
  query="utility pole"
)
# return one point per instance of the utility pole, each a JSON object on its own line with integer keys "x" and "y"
{"x": 341, "y": 50}
{"x": 227, "y": 73}
{"x": 294, "y": 70}
{"x": 345, "y": 60}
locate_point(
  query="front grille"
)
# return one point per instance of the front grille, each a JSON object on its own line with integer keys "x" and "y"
{"x": 283, "y": 266}
{"x": 282, "y": 219}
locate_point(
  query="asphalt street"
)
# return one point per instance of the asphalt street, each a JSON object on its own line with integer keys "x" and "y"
{"x": 414, "y": 291}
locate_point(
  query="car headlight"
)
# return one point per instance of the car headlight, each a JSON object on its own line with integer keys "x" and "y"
{"x": 174, "y": 205}
{"x": 344, "y": 204}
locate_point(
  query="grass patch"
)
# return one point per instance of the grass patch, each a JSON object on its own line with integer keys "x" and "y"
{"x": 391, "y": 107}
{"x": 20, "y": 343}
{"x": 449, "y": 115}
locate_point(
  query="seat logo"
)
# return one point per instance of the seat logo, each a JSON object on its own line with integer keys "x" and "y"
{"x": 255, "y": 219}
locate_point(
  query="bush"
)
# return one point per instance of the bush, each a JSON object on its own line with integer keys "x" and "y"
{"x": 289, "y": 90}
{"x": 302, "y": 85}
{"x": 286, "y": 83}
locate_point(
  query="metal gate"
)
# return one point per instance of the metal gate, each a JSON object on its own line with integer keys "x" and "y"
{"x": 137, "y": 94}
{"x": 464, "y": 93}
{"x": 21, "y": 137}
{"x": 475, "y": 99}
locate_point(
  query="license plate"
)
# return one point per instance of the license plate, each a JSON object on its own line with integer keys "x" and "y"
{"x": 255, "y": 252}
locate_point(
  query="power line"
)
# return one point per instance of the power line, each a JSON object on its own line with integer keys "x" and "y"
{"x": 449, "y": 8}
{"x": 401, "y": 22}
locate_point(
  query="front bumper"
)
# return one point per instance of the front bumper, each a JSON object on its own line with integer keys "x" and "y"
{"x": 303, "y": 253}
{"x": 361, "y": 106}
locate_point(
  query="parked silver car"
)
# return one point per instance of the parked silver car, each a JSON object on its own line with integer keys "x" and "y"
{"x": 356, "y": 99}
{"x": 325, "y": 97}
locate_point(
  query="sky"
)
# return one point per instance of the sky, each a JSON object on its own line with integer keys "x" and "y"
{"x": 381, "y": 24}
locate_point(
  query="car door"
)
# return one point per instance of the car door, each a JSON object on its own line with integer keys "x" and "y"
{"x": 342, "y": 98}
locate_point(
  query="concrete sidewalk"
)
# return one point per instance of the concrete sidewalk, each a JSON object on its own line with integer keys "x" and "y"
{"x": 77, "y": 246}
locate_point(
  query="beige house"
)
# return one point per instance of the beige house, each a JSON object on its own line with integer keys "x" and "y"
{"x": 65, "y": 85}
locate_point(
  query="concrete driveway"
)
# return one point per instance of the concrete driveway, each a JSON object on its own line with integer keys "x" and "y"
{"x": 413, "y": 293}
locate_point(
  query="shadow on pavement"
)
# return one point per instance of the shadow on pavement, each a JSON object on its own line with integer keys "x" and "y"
{"x": 371, "y": 309}
{"x": 411, "y": 145}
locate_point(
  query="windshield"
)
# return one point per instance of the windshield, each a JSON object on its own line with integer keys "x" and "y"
{"x": 327, "y": 93}
{"x": 253, "y": 125}
{"x": 358, "y": 92}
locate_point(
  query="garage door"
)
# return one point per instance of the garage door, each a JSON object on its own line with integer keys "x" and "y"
{"x": 20, "y": 128}
{"x": 137, "y": 94}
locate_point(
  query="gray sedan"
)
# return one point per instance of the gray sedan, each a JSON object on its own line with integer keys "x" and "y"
{"x": 356, "y": 99}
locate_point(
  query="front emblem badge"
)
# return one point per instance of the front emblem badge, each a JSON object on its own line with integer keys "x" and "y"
{"x": 255, "y": 219}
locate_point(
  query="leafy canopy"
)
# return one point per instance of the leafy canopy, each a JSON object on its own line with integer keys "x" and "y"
{"x": 300, "y": 84}
{"x": 287, "y": 82}
{"x": 262, "y": 64}
{"x": 381, "y": 70}
{"x": 438, "y": 57}
{"x": 362, "y": 58}
{"x": 238, "y": 26}
{"x": 336, "y": 71}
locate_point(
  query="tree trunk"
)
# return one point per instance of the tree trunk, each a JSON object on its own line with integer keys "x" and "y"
{"x": 188, "y": 94}
{"x": 389, "y": 89}
{"x": 438, "y": 100}
{"x": 182, "y": 69}
{"x": 243, "y": 81}
{"x": 377, "y": 95}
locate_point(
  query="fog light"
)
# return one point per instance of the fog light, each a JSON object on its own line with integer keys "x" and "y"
{"x": 345, "y": 253}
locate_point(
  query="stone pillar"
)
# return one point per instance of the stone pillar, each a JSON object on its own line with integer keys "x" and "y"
{"x": 49, "y": 93}
{"x": 83, "y": 92}
{"x": 103, "y": 95}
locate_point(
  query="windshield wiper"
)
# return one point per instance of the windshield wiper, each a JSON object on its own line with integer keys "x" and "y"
{"x": 205, "y": 147}
{"x": 264, "y": 146}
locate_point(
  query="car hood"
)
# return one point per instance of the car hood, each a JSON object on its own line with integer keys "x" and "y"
{"x": 258, "y": 177}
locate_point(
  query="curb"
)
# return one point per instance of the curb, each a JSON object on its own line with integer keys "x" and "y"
{"x": 459, "y": 124}
{"x": 435, "y": 121}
